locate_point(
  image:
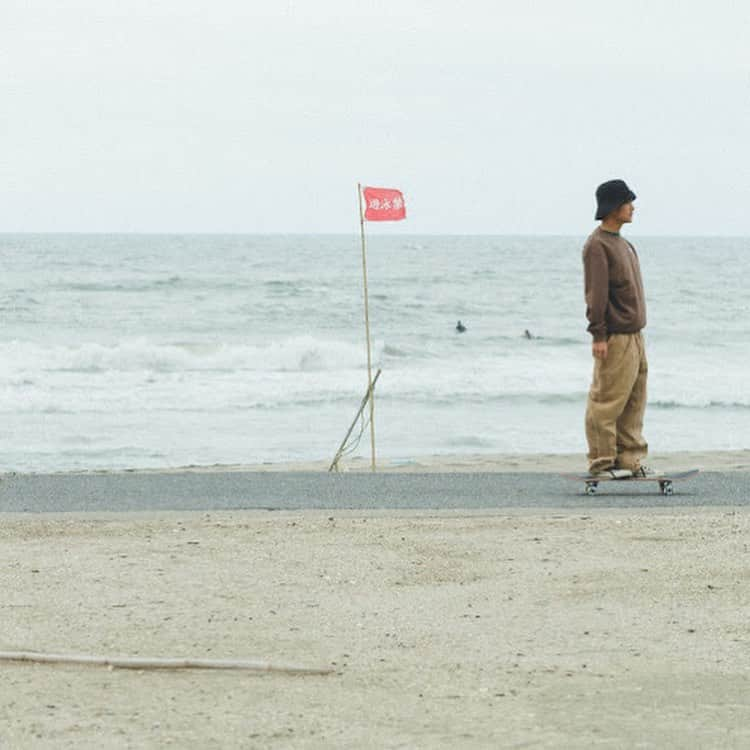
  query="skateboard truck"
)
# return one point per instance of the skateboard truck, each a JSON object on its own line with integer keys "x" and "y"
{"x": 666, "y": 486}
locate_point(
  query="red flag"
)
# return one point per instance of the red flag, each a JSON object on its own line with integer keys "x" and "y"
{"x": 384, "y": 204}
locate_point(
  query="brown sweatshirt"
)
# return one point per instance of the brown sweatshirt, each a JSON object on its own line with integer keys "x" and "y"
{"x": 615, "y": 302}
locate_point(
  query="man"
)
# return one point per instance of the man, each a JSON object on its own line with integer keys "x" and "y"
{"x": 616, "y": 311}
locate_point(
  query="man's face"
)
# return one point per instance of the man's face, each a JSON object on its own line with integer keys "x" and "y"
{"x": 625, "y": 213}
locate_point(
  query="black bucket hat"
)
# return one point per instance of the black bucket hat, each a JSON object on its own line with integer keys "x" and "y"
{"x": 610, "y": 196}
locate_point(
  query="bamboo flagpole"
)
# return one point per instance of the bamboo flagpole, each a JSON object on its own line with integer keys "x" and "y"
{"x": 379, "y": 204}
{"x": 367, "y": 331}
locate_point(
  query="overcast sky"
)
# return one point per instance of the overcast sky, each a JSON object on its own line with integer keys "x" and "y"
{"x": 492, "y": 117}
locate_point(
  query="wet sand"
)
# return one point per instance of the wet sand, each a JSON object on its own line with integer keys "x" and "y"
{"x": 736, "y": 460}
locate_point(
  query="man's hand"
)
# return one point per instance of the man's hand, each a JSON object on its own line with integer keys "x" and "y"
{"x": 599, "y": 349}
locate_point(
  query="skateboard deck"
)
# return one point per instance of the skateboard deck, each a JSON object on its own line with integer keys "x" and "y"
{"x": 666, "y": 480}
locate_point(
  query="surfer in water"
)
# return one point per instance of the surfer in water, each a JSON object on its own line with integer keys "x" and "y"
{"x": 460, "y": 327}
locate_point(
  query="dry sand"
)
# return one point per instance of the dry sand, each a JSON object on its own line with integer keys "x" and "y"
{"x": 446, "y": 630}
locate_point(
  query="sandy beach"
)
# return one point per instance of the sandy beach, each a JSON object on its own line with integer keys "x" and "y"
{"x": 734, "y": 460}
{"x": 444, "y": 629}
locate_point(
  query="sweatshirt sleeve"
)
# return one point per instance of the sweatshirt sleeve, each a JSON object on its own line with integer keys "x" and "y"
{"x": 596, "y": 281}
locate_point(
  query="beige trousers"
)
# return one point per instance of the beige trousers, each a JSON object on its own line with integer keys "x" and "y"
{"x": 616, "y": 404}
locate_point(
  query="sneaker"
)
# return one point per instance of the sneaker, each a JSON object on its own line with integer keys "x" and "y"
{"x": 646, "y": 471}
{"x": 611, "y": 474}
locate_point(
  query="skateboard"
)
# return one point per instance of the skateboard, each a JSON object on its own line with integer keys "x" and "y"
{"x": 665, "y": 480}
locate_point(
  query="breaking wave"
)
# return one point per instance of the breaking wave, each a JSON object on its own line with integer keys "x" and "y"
{"x": 297, "y": 354}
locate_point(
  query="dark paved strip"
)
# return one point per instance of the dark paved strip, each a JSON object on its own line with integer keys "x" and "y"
{"x": 133, "y": 491}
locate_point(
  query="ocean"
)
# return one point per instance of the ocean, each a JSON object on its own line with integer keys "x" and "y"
{"x": 138, "y": 351}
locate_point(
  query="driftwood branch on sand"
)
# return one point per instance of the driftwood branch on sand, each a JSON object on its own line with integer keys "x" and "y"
{"x": 127, "y": 662}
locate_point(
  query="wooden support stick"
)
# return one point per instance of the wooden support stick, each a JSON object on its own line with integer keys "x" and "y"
{"x": 127, "y": 662}
{"x": 340, "y": 451}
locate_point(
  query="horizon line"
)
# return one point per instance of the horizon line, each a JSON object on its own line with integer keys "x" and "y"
{"x": 353, "y": 233}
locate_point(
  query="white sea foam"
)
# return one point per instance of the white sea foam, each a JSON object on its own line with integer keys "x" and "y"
{"x": 295, "y": 354}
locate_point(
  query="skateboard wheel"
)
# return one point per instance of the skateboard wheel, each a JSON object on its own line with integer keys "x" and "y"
{"x": 591, "y": 489}
{"x": 667, "y": 488}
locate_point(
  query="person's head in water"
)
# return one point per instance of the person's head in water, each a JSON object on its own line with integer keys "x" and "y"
{"x": 460, "y": 327}
{"x": 614, "y": 205}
